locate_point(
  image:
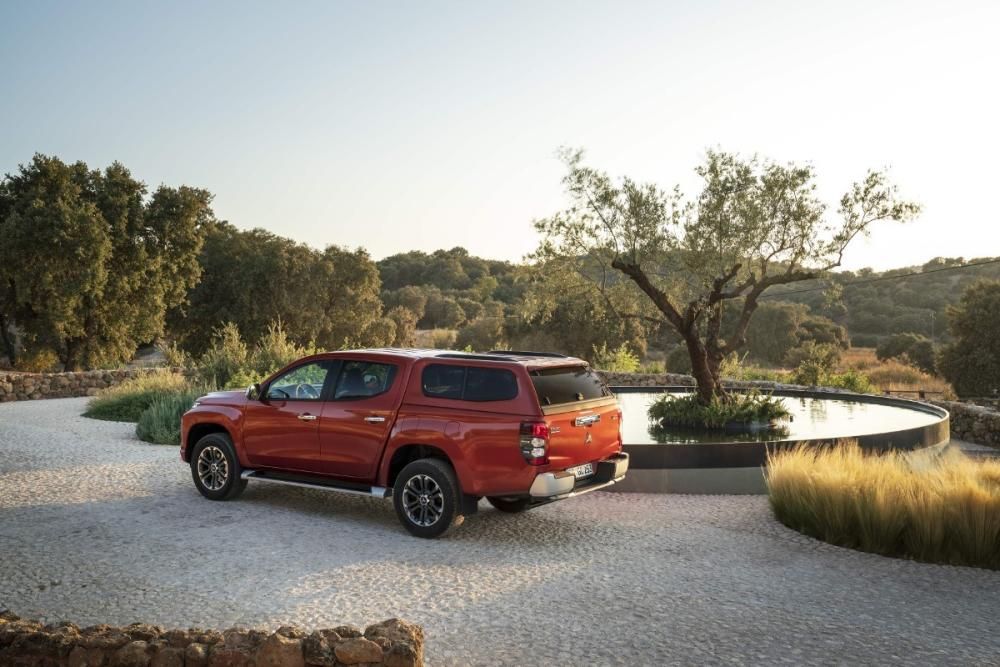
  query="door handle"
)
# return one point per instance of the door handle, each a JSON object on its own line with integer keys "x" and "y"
{"x": 374, "y": 420}
{"x": 306, "y": 417}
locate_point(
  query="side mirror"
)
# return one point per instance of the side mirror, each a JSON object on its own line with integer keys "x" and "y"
{"x": 253, "y": 392}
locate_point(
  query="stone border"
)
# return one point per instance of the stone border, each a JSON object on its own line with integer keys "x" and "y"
{"x": 35, "y": 386}
{"x": 24, "y": 643}
{"x": 973, "y": 423}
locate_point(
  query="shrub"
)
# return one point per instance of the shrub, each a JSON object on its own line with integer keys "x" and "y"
{"x": 126, "y": 401}
{"x": 679, "y": 360}
{"x": 971, "y": 362}
{"x": 160, "y": 423}
{"x": 941, "y": 511}
{"x": 619, "y": 360}
{"x": 687, "y": 411}
{"x": 42, "y": 360}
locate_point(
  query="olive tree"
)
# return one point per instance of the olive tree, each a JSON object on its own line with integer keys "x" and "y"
{"x": 657, "y": 257}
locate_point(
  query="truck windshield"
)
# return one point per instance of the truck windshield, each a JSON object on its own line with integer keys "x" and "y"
{"x": 569, "y": 384}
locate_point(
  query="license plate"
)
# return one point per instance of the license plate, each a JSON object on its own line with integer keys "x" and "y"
{"x": 586, "y": 470}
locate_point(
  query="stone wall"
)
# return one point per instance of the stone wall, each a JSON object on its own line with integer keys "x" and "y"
{"x": 973, "y": 423}
{"x": 30, "y": 386}
{"x": 676, "y": 380}
{"x": 392, "y": 643}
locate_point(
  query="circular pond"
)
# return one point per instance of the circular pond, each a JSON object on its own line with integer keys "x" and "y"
{"x": 678, "y": 460}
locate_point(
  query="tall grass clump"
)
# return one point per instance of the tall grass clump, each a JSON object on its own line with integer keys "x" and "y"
{"x": 126, "y": 401}
{"x": 160, "y": 423}
{"x": 942, "y": 509}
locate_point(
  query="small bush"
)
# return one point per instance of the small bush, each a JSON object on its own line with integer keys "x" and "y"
{"x": 126, "y": 401}
{"x": 160, "y": 423}
{"x": 679, "y": 360}
{"x": 42, "y": 360}
{"x": 619, "y": 360}
{"x": 687, "y": 411}
{"x": 940, "y": 511}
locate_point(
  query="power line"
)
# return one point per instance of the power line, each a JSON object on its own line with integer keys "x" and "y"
{"x": 885, "y": 278}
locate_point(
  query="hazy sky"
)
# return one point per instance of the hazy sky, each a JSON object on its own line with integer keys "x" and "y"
{"x": 420, "y": 125}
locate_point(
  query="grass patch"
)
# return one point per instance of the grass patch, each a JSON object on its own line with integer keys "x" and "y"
{"x": 160, "y": 423}
{"x": 127, "y": 401}
{"x": 744, "y": 408}
{"x": 937, "y": 510}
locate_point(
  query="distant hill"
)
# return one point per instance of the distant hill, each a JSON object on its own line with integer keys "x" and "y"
{"x": 872, "y": 304}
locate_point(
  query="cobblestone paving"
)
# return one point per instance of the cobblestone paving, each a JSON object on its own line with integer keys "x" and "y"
{"x": 98, "y": 527}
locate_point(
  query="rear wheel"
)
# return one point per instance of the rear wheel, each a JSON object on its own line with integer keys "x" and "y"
{"x": 426, "y": 496}
{"x": 510, "y": 505}
{"x": 216, "y": 469}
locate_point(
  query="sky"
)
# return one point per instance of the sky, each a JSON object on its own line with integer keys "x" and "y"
{"x": 400, "y": 126}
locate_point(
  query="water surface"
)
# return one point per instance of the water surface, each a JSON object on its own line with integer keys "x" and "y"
{"x": 812, "y": 418}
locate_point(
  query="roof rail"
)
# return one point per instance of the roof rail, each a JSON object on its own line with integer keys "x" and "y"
{"x": 466, "y": 355}
{"x": 522, "y": 353}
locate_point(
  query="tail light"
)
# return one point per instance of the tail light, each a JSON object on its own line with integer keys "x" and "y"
{"x": 535, "y": 442}
{"x": 621, "y": 441}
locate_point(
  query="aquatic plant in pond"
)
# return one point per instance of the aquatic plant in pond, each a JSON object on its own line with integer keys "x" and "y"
{"x": 752, "y": 411}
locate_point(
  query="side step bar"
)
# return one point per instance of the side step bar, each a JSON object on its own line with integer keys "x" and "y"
{"x": 373, "y": 491}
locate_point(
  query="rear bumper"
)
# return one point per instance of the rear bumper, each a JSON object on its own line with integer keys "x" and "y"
{"x": 559, "y": 485}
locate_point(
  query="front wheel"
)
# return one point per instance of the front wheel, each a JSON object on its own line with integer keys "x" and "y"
{"x": 509, "y": 505}
{"x": 216, "y": 469}
{"x": 426, "y": 496}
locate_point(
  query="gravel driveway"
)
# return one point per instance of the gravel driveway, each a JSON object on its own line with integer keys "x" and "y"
{"x": 98, "y": 527}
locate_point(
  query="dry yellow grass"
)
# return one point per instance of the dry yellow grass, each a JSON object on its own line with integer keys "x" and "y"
{"x": 942, "y": 509}
{"x": 892, "y": 374}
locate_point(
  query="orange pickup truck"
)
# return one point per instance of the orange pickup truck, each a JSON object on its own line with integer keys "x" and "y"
{"x": 434, "y": 430}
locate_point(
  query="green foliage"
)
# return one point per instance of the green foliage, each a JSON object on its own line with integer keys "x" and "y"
{"x": 89, "y": 265}
{"x": 405, "y": 321}
{"x": 909, "y": 347}
{"x": 743, "y": 409}
{"x": 484, "y": 334}
{"x": 558, "y": 316}
{"x": 972, "y": 361}
{"x": 126, "y": 401}
{"x": 253, "y": 278}
{"x": 658, "y": 257}
{"x": 679, "y": 360}
{"x": 230, "y": 363}
{"x": 160, "y": 423}
{"x": 943, "y": 510}
{"x": 619, "y": 360}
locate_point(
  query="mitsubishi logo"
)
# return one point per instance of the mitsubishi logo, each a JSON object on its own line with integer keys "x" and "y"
{"x": 589, "y": 439}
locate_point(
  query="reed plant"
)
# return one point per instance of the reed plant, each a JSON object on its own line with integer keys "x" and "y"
{"x": 933, "y": 508}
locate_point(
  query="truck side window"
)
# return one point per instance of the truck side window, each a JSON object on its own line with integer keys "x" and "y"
{"x": 363, "y": 379}
{"x": 489, "y": 384}
{"x": 470, "y": 383}
{"x": 441, "y": 381}
{"x": 302, "y": 383}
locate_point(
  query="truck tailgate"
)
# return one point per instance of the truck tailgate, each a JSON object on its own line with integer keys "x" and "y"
{"x": 583, "y": 432}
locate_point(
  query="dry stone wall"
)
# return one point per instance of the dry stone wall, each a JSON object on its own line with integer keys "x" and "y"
{"x": 23, "y": 643}
{"x": 32, "y": 386}
{"x": 973, "y": 423}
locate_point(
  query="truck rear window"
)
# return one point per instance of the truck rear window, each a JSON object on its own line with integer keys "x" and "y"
{"x": 570, "y": 384}
{"x": 468, "y": 383}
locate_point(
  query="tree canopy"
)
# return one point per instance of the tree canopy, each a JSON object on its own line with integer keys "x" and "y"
{"x": 655, "y": 256}
{"x": 88, "y": 263}
{"x": 971, "y": 362}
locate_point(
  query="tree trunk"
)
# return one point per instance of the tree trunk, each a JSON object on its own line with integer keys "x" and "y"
{"x": 9, "y": 343}
{"x": 71, "y": 358}
{"x": 706, "y": 374}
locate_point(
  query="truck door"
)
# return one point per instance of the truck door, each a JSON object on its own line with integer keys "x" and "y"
{"x": 281, "y": 430}
{"x": 356, "y": 420}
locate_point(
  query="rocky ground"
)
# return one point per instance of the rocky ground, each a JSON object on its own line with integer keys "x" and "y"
{"x": 98, "y": 527}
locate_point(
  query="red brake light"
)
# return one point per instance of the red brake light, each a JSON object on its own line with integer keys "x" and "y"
{"x": 535, "y": 442}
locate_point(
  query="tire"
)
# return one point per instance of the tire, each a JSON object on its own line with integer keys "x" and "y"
{"x": 224, "y": 481}
{"x": 426, "y": 496}
{"x": 509, "y": 504}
